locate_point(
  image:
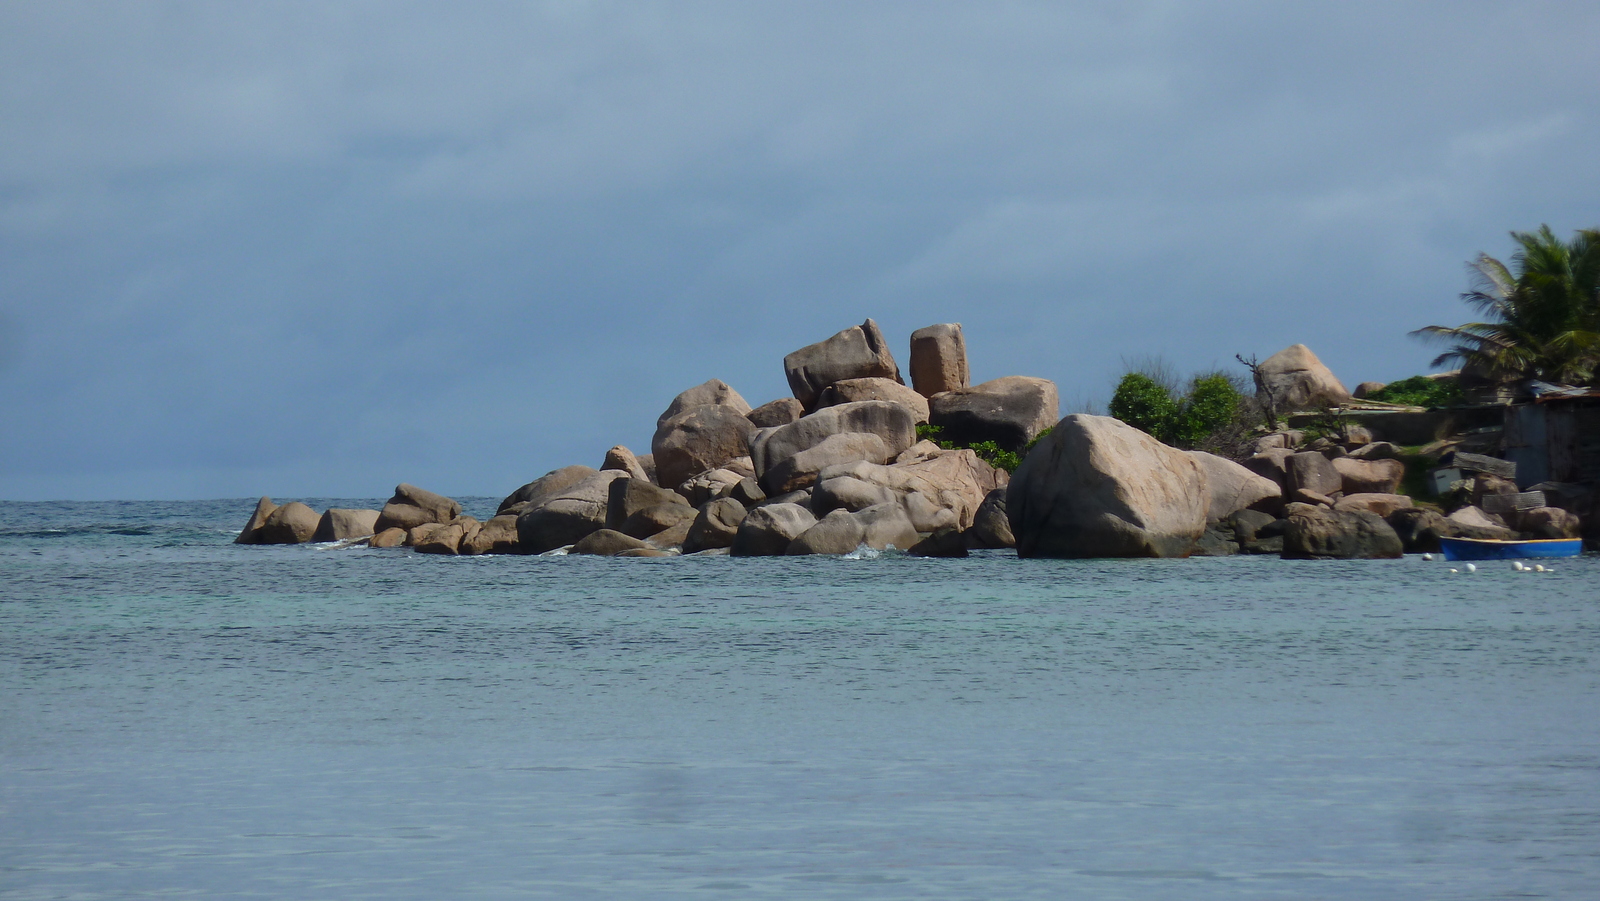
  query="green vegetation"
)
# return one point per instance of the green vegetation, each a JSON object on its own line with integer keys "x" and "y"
{"x": 1420, "y": 391}
{"x": 1543, "y": 312}
{"x": 1211, "y": 406}
{"x": 987, "y": 451}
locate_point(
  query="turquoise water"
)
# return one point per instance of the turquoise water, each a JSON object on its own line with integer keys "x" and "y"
{"x": 183, "y": 717}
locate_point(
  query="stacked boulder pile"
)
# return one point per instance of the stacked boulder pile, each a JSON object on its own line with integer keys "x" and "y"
{"x": 835, "y": 467}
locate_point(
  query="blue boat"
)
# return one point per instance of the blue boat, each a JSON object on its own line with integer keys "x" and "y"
{"x": 1484, "y": 549}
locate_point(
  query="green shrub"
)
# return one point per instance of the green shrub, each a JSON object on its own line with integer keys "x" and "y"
{"x": 1144, "y": 403}
{"x": 987, "y": 451}
{"x": 1419, "y": 391}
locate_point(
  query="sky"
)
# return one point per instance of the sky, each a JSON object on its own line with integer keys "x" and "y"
{"x": 320, "y": 249}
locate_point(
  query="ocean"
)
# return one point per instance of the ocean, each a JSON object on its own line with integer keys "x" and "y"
{"x": 183, "y": 717}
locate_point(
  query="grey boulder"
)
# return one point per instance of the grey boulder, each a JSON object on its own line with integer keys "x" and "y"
{"x": 939, "y": 359}
{"x": 766, "y": 531}
{"x": 1297, "y": 380}
{"x": 714, "y": 526}
{"x": 1233, "y": 488}
{"x": 851, "y": 390}
{"x": 715, "y": 392}
{"x": 889, "y": 421}
{"x": 778, "y": 412}
{"x": 1314, "y": 532}
{"x": 548, "y": 486}
{"x": 412, "y": 506}
{"x": 292, "y": 523}
{"x": 859, "y": 352}
{"x": 340, "y": 524}
{"x": 1009, "y": 411}
{"x": 698, "y": 439}
{"x": 574, "y": 512}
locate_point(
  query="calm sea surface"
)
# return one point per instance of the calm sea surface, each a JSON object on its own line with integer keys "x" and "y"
{"x": 183, "y": 717}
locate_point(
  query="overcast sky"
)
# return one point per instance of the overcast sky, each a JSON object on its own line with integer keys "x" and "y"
{"x": 322, "y": 248}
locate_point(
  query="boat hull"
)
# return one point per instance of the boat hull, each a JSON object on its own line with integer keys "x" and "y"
{"x": 1481, "y": 549}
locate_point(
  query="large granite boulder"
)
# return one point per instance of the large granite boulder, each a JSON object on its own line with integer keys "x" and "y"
{"x": 1315, "y": 532}
{"x": 714, "y": 526}
{"x": 1271, "y": 463}
{"x": 448, "y": 538}
{"x": 1358, "y": 476}
{"x": 412, "y": 506}
{"x": 572, "y": 513}
{"x": 800, "y": 470}
{"x": 1009, "y": 411}
{"x": 889, "y": 421}
{"x": 624, "y": 460}
{"x": 1381, "y": 504}
{"x": 855, "y": 353}
{"x": 778, "y": 412}
{"x": 715, "y": 392}
{"x": 1420, "y": 529}
{"x": 657, "y": 519}
{"x": 766, "y": 531}
{"x": 1098, "y": 487}
{"x": 852, "y": 390}
{"x": 292, "y": 523}
{"x": 708, "y": 485}
{"x": 698, "y": 439}
{"x": 990, "y": 527}
{"x": 388, "y": 538}
{"x": 956, "y": 481}
{"x": 496, "y": 536}
{"x": 1297, "y": 380}
{"x": 1311, "y": 471}
{"x": 548, "y": 486}
{"x": 1549, "y": 522}
{"x": 340, "y": 524}
{"x": 250, "y": 534}
{"x": 1233, "y": 488}
{"x": 628, "y": 496}
{"x": 606, "y": 543}
{"x": 848, "y": 493}
{"x": 840, "y": 532}
{"x": 939, "y": 359}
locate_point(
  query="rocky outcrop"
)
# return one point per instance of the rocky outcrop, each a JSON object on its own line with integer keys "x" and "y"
{"x": 855, "y": 353}
{"x": 623, "y": 460}
{"x": 1311, "y": 471}
{"x": 778, "y": 412}
{"x": 1381, "y": 504}
{"x": 572, "y": 513}
{"x": 606, "y": 543}
{"x": 1367, "y": 389}
{"x": 1359, "y": 476}
{"x": 1097, "y": 487}
{"x": 1474, "y": 518}
{"x": 292, "y": 523}
{"x": 891, "y": 422}
{"x": 1549, "y": 522}
{"x": 657, "y": 519}
{"x": 1420, "y": 530}
{"x": 852, "y": 390}
{"x": 388, "y": 538}
{"x": 1009, "y": 411}
{"x": 715, "y": 392}
{"x": 944, "y": 490}
{"x": 546, "y": 487}
{"x": 1297, "y": 380}
{"x": 1233, "y": 488}
{"x": 1322, "y": 533}
{"x": 341, "y": 524}
{"x": 709, "y": 485}
{"x": 766, "y": 531}
{"x": 412, "y": 506}
{"x": 939, "y": 359}
{"x": 628, "y": 496}
{"x": 699, "y": 439}
{"x": 714, "y": 526}
{"x": 250, "y": 534}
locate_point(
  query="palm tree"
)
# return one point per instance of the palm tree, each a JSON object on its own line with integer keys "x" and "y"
{"x": 1544, "y": 312}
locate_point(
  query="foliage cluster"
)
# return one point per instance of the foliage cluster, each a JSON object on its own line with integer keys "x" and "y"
{"x": 987, "y": 451}
{"x": 1420, "y": 391}
{"x": 1543, "y": 312}
{"x": 1212, "y": 404}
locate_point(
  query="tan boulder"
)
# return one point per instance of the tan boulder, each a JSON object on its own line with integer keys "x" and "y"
{"x": 709, "y": 485}
{"x": 498, "y": 535}
{"x": 672, "y": 537}
{"x": 778, "y": 412}
{"x": 1009, "y": 411}
{"x": 841, "y": 532}
{"x": 939, "y": 359}
{"x": 850, "y": 494}
{"x": 550, "y": 485}
{"x": 340, "y": 524}
{"x": 250, "y": 534}
{"x": 715, "y": 392}
{"x": 1233, "y": 488}
{"x": 418, "y": 534}
{"x": 852, "y": 390}
{"x": 448, "y": 538}
{"x": 1474, "y": 518}
{"x": 766, "y": 531}
{"x": 1311, "y": 471}
{"x": 990, "y": 527}
{"x": 388, "y": 538}
{"x": 292, "y": 523}
{"x": 1271, "y": 463}
{"x": 1549, "y": 522}
{"x": 644, "y": 552}
{"x": 1367, "y": 389}
{"x": 800, "y": 470}
{"x": 1362, "y": 476}
{"x": 1297, "y": 380}
{"x": 1097, "y": 487}
{"x": 889, "y": 421}
{"x": 957, "y": 481}
{"x": 856, "y": 353}
{"x": 1323, "y": 533}
{"x": 1381, "y": 504}
{"x": 607, "y": 543}
{"x": 412, "y": 506}
{"x": 698, "y": 439}
{"x": 922, "y": 450}
{"x": 574, "y": 512}
{"x": 623, "y": 460}
{"x": 714, "y": 526}
{"x": 628, "y": 496}
{"x": 657, "y": 519}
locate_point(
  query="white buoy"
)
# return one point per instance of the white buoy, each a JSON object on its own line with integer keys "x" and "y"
{"x": 1472, "y": 567}
{"x": 1538, "y": 567}
{"x": 1454, "y": 570}
{"x": 1427, "y": 556}
{"x": 1517, "y": 566}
